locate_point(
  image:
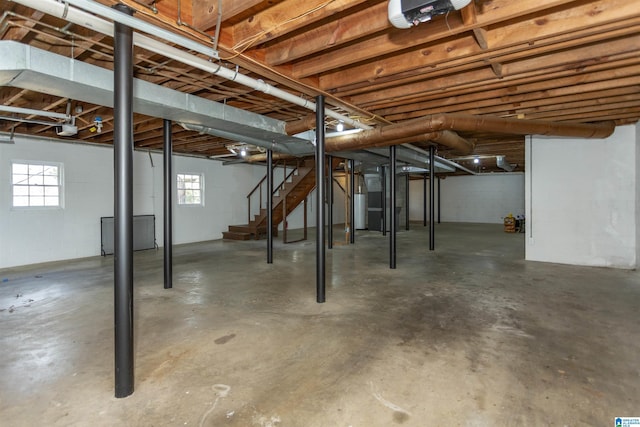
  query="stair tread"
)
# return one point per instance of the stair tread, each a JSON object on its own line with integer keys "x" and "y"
{"x": 294, "y": 192}
{"x": 233, "y": 235}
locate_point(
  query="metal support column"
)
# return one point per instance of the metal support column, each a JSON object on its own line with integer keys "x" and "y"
{"x": 352, "y": 207}
{"x": 432, "y": 183}
{"x": 330, "y": 203}
{"x": 424, "y": 200}
{"x": 270, "y": 207}
{"x": 406, "y": 203}
{"x": 167, "y": 152}
{"x": 392, "y": 214}
{"x": 384, "y": 202}
{"x": 320, "y": 192}
{"x": 123, "y": 205}
{"x": 438, "y": 200}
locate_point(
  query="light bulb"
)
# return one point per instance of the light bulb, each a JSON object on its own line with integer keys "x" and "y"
{"x": 340, "y": 127}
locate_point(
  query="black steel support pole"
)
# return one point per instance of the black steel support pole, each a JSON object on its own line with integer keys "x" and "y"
{"x": 438, "y": 200}
{"x": 123, "y": 205}
{"x": 424, "y": 200}
{"x": 384, "y": 202}
{"x": 330, "y": 203}
{"x": 432, "y": 183}
{"x": 392, "y": 196}
{"x": 352, "y": 207}
{"x": 167, "y": 152}
{"x": 406, "y": 203}
{"x": 320, "y": 192}
{"x": 270, "y": 207}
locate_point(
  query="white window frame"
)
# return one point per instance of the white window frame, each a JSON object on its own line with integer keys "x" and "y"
{"x": 200, "y": 189}
{"x": 17, "y": 187}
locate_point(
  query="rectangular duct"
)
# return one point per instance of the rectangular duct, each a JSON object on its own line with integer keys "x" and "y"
{"x": 27, "y": 67}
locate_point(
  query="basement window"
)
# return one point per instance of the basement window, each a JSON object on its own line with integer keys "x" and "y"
{"x": 36, "y": 184}
{"x": 190, "y": 189}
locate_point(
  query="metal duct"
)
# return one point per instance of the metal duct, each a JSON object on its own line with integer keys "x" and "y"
{"x": 502, "y": 164}
{"x": 471, "y": 123}
{"x": 397, "y": 134}
{"x": 413, "y": 158}
{"x": 438, "y": 127}
{"x": 34, "y": 69}
{"x": 93, "y": 22}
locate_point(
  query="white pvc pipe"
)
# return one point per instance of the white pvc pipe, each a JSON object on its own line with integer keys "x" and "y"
{"x": 29, "y": 111}
{"x": 439, "y": 159}
{"x": 87, "y": 20}
{"x": 145, "y": 27}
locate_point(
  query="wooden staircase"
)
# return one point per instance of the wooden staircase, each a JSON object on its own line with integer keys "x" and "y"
{"x": 286, "y": 197}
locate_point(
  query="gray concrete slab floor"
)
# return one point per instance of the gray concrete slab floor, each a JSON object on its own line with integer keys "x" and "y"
{"x": 468, "y": 335}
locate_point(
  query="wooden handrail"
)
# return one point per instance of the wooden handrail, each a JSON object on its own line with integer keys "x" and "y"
{"x": 259, "y": 187}
{"x": 285, "y": 180}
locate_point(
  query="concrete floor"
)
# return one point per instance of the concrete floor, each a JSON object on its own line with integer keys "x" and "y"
{"x": 468, "y": 335}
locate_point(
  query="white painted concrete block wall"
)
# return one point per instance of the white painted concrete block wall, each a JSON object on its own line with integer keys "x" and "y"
{"x": 637, "y": 217}
{"x": 485, "y": 198}
{"x": 582, "y": 200}
{"x": 41, "y": 235}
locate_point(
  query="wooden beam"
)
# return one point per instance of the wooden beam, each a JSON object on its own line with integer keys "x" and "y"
{"x": 205, "y": 12}
{"x": 536, "y": 102}
{"x": 511, "y": 97}
{"x": 423, "y": 34}
{"x": 563, "y": 63}
{"x": 481, "y": 37}
{"x": 497, "y": 69}
{"x": 569, "y": 82}
{"x": 284, "y": 18}
{"x": 337, "y": 32}
{"x": 600, "y": 115}
{"x": 460, "y": 87}
{"x": 441, "y": 61}
{"x": 18, "y": 33}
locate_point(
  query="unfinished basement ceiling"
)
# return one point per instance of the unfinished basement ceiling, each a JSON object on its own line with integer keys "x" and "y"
{"x": 561, "y": 61}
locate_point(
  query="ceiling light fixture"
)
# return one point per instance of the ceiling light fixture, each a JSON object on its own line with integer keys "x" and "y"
{"x": 340, "y": 126}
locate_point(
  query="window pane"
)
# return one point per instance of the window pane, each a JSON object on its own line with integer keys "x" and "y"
{"x": 20, "y": 179}
{"x": 189, "y": 189}
{"x": 36, "y": 169}
{"x": 36, "y": 185}
{"x": 20, "y": 190}
{"x": 50, "y": 180}
{"x": 51, "y": 201}
{"x": 51, "y": 191}
{"x": 36, "y": 180}
{"x": 36, "y": 191}
{"x": 20, "y": 168}
{"x": 36, "y": 201}
{"x": 20, "y": 201}
{"x": 51, "y": 170}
